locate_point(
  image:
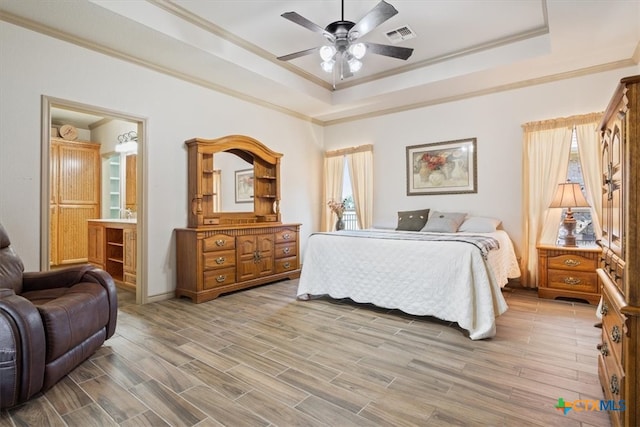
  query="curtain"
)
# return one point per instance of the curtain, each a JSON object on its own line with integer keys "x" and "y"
{"x": 547, "y": 146}
{"x": 589, "y": 149}
{"x": 332, "y": 190}
{"x": 360, "y": 163}
{"x": 361, "y": 171}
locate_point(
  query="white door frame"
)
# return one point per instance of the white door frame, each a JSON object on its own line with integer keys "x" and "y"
{"x": 45, "y": 196}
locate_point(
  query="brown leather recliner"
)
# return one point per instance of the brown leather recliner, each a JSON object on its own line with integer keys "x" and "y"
{"x": 50, "y": 322}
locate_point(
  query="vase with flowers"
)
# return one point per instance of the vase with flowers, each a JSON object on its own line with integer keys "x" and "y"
{"x": 338, "y": 209}
{"x": 430, "y": 168}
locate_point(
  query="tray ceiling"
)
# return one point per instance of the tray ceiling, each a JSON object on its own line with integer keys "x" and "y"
{"x": 461, "y": 48}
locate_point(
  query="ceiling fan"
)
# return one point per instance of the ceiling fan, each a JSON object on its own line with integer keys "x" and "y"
{"x": 342, "y": 56}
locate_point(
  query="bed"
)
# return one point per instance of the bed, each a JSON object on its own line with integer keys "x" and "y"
{"x": 449, "y": 276}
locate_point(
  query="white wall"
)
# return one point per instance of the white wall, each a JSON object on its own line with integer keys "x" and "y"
{"x": 495, "y": 120}
{"x": 32, "y": 65}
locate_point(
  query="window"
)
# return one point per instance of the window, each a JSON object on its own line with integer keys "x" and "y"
{"x": 585, "y": 235}
{"x": 350, "y": 219}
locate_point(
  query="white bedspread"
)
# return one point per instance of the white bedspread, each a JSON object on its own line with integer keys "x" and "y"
{"x": 447, "y": 280}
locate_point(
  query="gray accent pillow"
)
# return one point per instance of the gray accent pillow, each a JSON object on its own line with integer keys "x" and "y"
{"x": 444, "y": 222}
{"x": 412, "y": 220}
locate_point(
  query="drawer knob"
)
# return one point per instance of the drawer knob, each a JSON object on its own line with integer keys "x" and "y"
{"x": 220, "y": 260}
{"x": 616, "y": 336}
{"x": 604, "y": 349}
{"x": 571, "y": 280}
{"x": 286, "y": 236}
{"x": 614, "y": 385}
{"x": 220, "y": 242}
{"x": 286, "y": 250}
{"x": 604, "y": 309}
{"x": 286, "y": 265}
{"x": 221, "y": 278}
{"x": 572, "y": 262}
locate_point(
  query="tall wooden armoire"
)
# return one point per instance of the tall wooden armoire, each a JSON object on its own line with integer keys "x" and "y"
{"x": 75, "y": 198}
{"x": 618, "y": 363}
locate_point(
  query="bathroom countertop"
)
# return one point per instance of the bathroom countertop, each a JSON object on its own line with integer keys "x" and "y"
{"x": 122, "y": 221}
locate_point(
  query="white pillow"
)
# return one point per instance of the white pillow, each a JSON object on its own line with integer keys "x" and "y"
{"x": 479, "y": 224}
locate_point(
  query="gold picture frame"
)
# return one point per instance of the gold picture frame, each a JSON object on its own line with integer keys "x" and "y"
{"x": 448, "y": 167}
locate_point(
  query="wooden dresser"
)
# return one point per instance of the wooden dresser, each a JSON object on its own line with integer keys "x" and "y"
{"x": 568, "y": 272}
{"x": 618, "y": 364}
{"x": 212, "y": 261}
{"x": 226, "y": 251}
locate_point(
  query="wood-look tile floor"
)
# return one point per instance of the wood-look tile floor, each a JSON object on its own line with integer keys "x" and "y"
{"x": 261, "y": 358}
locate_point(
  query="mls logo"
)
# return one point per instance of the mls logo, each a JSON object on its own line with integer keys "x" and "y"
{"x": 612, "y": 405}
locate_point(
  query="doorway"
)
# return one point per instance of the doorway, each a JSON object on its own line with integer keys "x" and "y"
{"x": 100, "y": 126}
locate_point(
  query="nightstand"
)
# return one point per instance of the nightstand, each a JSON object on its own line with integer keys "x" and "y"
{"x": 569, "y": 272}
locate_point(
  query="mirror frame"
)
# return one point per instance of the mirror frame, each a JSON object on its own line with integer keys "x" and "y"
{"x": 266, "y": 208}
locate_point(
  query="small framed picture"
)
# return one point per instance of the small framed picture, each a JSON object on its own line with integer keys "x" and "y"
{"x": 442, "y": 168}
{"x": 244, "y": 186}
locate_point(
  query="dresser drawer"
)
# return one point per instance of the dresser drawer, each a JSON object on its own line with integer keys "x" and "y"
{"x": 572, "y": 262}
{"x": 215, "y": 278}
{"x": 286, "y": 235}
{"x": 613, "y": 332}
{"x": 579, "y": 281}
{"x": 218, "y": 242}
{"x": 613, "y": 380}
{"x": 284, "y": 250}
{"x": 218, "y": 259}
{"x": 286, "y": 264}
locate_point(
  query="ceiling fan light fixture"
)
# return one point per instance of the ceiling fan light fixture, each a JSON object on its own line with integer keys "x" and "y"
{"x": 342, "y": 55}
{"x": 327, "y": 66}
{"x": 327, "y": 52}
{"x": 358, "y": 50}
{"x": 354, "y": 65}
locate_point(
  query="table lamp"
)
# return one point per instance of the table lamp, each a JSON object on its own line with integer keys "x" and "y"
{"x": 569, "y": 195}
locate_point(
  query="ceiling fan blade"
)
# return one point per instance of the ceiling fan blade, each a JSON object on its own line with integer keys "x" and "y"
{"x": 387, "y": 50}
{"x": 301, "y": 20}
{"x": 298, "y": 54}
{"x": 371, "y": 20}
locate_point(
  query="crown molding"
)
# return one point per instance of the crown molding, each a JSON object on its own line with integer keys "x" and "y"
{"x": 64, "y": 36}
{"x": 491, "y": 90}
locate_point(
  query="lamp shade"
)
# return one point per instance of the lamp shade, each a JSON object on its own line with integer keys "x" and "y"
{"x": 354, "y": 65}
{"x": 358, "y": 50}
{"x": 327, "y": 52}
{"x": 327, "y": 66}
{"x": 569, "y": 195}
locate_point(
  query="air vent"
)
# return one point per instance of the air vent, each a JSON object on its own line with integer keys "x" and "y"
{"x": 400, "y": 34}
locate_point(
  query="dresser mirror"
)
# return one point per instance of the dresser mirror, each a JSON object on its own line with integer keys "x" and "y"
{"x": 228, "y": 169}
{"x": 232, "y": 180}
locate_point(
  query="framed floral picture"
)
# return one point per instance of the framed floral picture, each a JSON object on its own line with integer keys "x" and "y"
{"x": 244, "y": 186}
{"x": 442, "y": 168}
